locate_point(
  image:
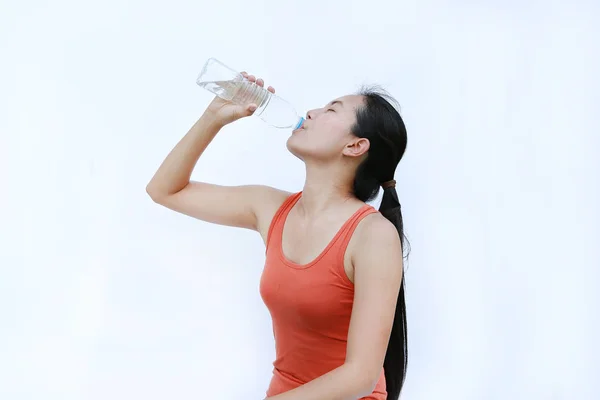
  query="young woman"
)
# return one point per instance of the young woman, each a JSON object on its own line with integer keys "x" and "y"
{"x": 333, "y": 278}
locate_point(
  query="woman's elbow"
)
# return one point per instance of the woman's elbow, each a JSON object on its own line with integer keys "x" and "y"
{"x": 366, "y": 380}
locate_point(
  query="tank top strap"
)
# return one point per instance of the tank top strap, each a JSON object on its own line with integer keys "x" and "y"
{"x": 278, "y": 221}
{"x": 350, "y": 227}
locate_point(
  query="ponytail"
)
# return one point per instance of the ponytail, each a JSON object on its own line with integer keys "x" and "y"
{"x": 396, "y": 356}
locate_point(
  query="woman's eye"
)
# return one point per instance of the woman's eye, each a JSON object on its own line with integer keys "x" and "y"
{"x": 330, "y": 109}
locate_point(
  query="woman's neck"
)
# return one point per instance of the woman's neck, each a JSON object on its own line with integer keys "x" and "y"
{"x": 325, "y": 188}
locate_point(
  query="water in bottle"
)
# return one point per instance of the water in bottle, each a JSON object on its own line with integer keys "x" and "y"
{"x": 232, "y": 86}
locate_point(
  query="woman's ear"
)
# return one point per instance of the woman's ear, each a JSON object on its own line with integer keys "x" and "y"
{"x": 357, "y": 147}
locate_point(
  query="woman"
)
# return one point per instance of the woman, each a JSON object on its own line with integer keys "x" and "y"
{"x": 333, "y": 277}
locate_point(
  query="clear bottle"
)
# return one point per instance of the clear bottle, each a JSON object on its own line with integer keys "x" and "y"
{"x": 232, "y": 86}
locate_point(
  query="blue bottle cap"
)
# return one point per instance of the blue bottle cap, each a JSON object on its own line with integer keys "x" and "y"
{"x": 300, "y": 122}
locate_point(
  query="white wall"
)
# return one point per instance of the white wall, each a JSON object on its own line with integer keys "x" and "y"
{"x": 105, "y": 295}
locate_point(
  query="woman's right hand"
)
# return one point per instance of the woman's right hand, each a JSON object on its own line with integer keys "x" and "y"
{"x": 226, "y": 112}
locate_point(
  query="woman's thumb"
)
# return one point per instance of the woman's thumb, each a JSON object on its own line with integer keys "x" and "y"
{"x": 251, "y": 108}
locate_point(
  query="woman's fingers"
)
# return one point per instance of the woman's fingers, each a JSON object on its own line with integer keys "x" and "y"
{"x": 259, "y": 81}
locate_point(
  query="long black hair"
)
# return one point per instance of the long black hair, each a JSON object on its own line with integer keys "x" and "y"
{"x": 380, "y": 122}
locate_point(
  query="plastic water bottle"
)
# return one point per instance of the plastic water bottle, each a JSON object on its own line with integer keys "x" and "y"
{"x": 230, "y": 85}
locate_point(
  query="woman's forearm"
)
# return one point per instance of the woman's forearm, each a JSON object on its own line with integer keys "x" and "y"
{"x": 346, "y": 382}
{"x": 175, "y": 171}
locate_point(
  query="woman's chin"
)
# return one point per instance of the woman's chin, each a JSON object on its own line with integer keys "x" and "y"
{"x": 294, "y": 147}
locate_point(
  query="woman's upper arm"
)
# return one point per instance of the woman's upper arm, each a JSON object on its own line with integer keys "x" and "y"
{"x": 246, "y": 206}
{"x": 377, "y": 261}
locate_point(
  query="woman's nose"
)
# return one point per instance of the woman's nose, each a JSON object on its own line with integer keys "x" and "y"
{"x": 310, "y": 114}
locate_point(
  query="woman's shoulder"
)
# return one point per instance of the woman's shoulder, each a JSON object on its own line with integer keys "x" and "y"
{"x": 375, "y": 233}
{"x": 271, "y": 200}
{"x": 376, "y": 224}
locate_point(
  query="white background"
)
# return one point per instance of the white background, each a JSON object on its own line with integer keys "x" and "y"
{"x": 106, "y": 295}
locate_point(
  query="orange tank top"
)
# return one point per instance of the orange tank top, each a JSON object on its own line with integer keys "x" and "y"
{"x": 310, "y": 306}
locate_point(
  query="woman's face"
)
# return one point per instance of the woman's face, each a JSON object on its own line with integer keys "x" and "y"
{"x": 326, "y": 133}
